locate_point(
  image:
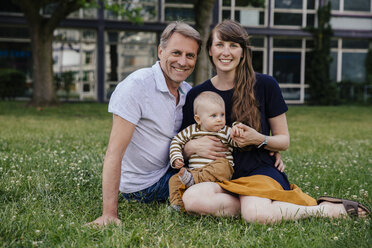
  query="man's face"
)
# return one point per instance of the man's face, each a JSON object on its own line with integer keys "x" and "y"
{"x": 178, "y": 58}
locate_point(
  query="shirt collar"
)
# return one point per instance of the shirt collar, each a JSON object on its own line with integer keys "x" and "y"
{"x": 160, "y": 80}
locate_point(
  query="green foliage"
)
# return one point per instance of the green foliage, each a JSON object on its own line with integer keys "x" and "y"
{"x": 64, "y": 81}
{"x": 322, "y": 90}
{"x": 12, "y": 83}
{"x": 127, "y": 9}
{"x": 50, "y": 183}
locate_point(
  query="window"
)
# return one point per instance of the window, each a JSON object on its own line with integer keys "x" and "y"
{"x": 125, "y": 53}
{"x": 75, "y": 51}
{"x": 175, "y": 10}
{"x": 243, "y": 12}
{"x": 349, "y": 60}
{"x": 148, "y": 9}
{"x": 351, "y": 5}
{"x": 293, "y": 13}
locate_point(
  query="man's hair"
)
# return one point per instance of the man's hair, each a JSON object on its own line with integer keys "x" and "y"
{"x": 181, "y": 28}
{"x": 207, "y": 96}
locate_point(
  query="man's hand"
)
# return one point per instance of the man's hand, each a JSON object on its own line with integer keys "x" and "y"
{"x": 178, "y": 163}
{"x": 207, "y": 146}
{"x": 278, "y": 161}
{"x": 105, "y": 220}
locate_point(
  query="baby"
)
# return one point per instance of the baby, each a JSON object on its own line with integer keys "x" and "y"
{"x": 209, "y": 114}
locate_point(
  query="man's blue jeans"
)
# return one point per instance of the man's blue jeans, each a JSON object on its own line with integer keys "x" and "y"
{"x": 157, "y": 192}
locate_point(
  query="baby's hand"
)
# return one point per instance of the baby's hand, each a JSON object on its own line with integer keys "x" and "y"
{"x": 236, "y": 131}
{"x": 178, "y": 163}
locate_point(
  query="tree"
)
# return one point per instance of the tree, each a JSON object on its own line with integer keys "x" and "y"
{"x": 41, "y": 28}
{"x": 322, "y": 91}
{"x": 203, "y": 10}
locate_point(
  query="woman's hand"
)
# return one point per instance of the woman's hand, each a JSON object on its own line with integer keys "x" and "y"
{"x": 247, "y": 136}
{"x": 278, "y": 161}
{"x": 207, "y": 146}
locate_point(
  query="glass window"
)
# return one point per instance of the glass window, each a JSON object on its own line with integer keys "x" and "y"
{"x": 257, "y": 42}
{"x": 14, "y": 32}
{"x": 353, "y": 66}
{"x": 333, "y": 67}
{"x": 310, "y": 21}
{"x": 291, "y": 93}
{"x": 288, "y": 43}
{"x": 351, "y": 23}
{"x": 176, "y": 14}
{"x": 357, "y": 5}
{"x": 287, "y": 67}
{"x": 289, "y": 19}
{"x": 288, "y": 4}
{"x": 226, "y": 2}
{"x": 335, "y": 4}
{"x": 16, "y": 55}
{"x": 355, "y": 44}
{"x": 226, "y": 14}
{"x": 334, "y": 43}
{"x": 250, "y": 17}
{"x": 125, "y": 53}
{"x": 8, "y": 6}
{"x": 257, "y": 61}
{"x": 310, "y": 4}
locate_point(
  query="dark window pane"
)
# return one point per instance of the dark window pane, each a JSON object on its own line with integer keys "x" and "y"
{"x": 310, "y": 21}
{"x": 353, "y": 68}
{"x": 287, "y": 67}
{"x": 333, "y": 67}
{"x": 290, "y": 43}
{"x": 8, "y": 6}
{"x": 310, "y": 4}
{"x": 334, "y": 43}
{"x": 257, "y": 42}
{"x": 291, "y": 93}
{"x": 176, "y": 14}
{"x": 262, "y": 17}
{"x": 335, "y": 4}
{"x": 257, "y": 61}
{"x": 309, "y": 44}
{"x": 226, "y": 3}
{"x": 288, "y": 4}
{"x": 237, "y": 16}
{"x": 226, "y": 14}
{"x": 361, "y": 44}
{"x": 14, "y": 32}
{"x": 287, "y": 19}
{"x": 357, "y": 5}
{"x": 180, "y": 1}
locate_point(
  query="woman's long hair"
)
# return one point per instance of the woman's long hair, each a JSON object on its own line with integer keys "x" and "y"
{"x": 244, "y": 104}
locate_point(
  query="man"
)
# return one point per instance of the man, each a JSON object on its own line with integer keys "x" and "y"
{"x": 147, "y": 113}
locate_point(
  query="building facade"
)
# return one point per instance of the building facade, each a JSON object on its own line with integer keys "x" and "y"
{"x": 102, "y": 48}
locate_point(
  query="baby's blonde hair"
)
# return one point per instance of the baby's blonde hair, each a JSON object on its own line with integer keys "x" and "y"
{"x": 208, "y": 96}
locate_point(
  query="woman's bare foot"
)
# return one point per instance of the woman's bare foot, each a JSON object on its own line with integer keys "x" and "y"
{"x": 334, "y": 210}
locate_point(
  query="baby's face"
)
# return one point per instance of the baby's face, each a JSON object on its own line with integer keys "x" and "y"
{"x": 212, "y": 117}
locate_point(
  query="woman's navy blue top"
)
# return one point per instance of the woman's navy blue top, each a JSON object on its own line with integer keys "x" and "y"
{"x": 270, "y": 104}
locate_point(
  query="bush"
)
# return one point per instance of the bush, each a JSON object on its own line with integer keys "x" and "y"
{"x": 12, "y": 83}
{"x": 354, "y": 92}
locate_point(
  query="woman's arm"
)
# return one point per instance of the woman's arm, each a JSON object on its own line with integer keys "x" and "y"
{"x": 279, "y": 141}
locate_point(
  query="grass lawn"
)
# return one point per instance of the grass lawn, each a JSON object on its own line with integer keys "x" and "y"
{"x": 50, "y": 183}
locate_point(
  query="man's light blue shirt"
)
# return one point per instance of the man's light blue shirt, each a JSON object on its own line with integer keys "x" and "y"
{"x": 143, "y": 99}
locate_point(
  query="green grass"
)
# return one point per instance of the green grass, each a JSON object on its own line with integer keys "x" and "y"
{"x": 50, "y": 183}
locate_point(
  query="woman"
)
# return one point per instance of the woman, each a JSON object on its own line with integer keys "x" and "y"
{"x": 259, "y": 192}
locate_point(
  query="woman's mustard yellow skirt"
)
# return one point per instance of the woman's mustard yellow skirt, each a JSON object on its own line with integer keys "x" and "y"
{"x": 266, "y": 187}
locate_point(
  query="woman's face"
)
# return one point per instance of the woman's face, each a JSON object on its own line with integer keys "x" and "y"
{"x": 226, "y": 55}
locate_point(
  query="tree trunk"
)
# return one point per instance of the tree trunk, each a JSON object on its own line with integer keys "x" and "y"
{"x": 203, "y": 20}
{"x": 42, "y": 58}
